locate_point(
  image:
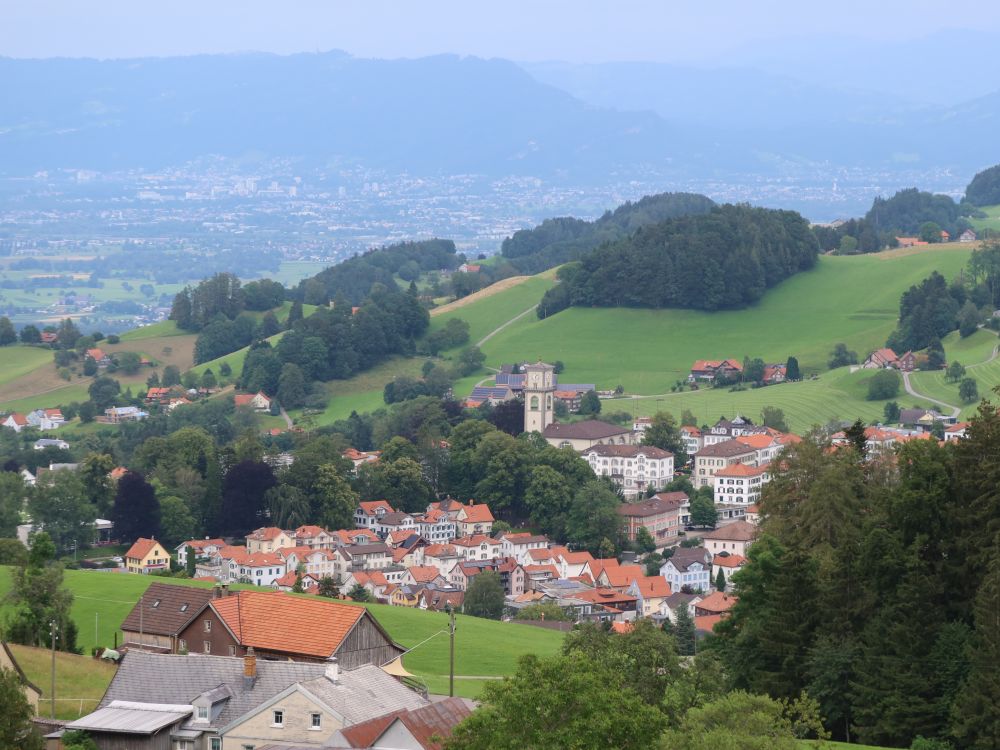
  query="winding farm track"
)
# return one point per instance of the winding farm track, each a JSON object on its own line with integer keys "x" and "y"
{"x": 955, "y": 410}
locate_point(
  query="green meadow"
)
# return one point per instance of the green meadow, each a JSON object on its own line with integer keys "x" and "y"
{"x": 483, "y": 648}
{"x": 852, "y": 299}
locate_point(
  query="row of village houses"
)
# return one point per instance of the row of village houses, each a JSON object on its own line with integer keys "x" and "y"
{"x": 398, "y": 565}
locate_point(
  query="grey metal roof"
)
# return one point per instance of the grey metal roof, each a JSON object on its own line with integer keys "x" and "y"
{"x": 364, "y": 693}
{"x": 132, "y": 717}
{"x": 180, "y": 679}
{"x": 359, "y": 695}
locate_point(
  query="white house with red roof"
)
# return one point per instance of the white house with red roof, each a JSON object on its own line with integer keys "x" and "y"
{"x": 269, "y": 539}
{"x": 238, "y": 565}
{"x": 360, "y": 458}
{"x": 728, "y": 563}
{"x": 436, "y": 526}
{"x": 313, "y": 536}
{"x": 98, "y": 355}
{"x": 707, "y": 370}
{"x": 477, "y": 547}
{"x": 369, "y": 512}
{"x": 650, "y": 592}
{"x": 310, "y": 584}
{"x": 957, "y": 431}
{"x": 202, "y": 548}
{"x": 474, "y": 519}
{"x": 517, "y": 545}
{"x": 738, "y": 486}
{"x": 16, "y": 422}
{"x": 319, "y": 562}
{"x": 258, "y": 401}
{"x": 46, "y": 419}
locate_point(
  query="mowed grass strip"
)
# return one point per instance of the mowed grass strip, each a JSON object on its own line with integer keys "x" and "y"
{"x": 483, "y": 648}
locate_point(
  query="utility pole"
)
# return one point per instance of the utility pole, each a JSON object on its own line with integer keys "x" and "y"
{"x": 53, "y": 629}
{"x": 451, "y": 667}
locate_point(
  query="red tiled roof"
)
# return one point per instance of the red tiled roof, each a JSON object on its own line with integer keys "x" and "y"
{"x": 275, "y": 621}
{"x": 423, "y": 573}
{"x": 742, "y": 470}
{"x": 428, "y": 725}
{"x": 478, "y": 513}
{"x": 653, "y": 586}
{"x": 200, "y": 544}
{"x": 706, "y": 622}
{"x": 715, "y": 364}
{"x": 309, "y": 531}
{"x": 141, "y": 548}
{"x": 717, "y": 602}
{"x": 621, "y": 628}
{"x": 266, "y": 533}
{"x": 369, "y": 506}
{"x": 623, "y": 575}
{"x": 19, "y": 419}
{"x": 243, "y": 399}
{"x": 729, "y": 561}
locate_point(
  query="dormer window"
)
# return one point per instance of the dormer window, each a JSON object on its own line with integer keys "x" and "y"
{"x": 202, "y": 713}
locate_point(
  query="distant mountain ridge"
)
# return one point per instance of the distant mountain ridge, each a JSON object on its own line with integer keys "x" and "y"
{"x": 460, "y": 115}
{"x": 441, "y": 113}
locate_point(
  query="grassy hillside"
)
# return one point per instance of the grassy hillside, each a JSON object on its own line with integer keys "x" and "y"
{"x": 485, "y": 313}
{"x": 483, "y": 648}
{"x": 992, "y": 220}
{"x": 19, "y": 360}
{"x": 80, "y": 680}
{"x": 850, "y": 299}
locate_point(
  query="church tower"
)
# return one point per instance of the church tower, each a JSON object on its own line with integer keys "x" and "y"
{"x": 539, "y": 385}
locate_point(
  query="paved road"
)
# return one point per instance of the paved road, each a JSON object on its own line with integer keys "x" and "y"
{"x": 288, "y": 419}
{"x": 955, "y": 410}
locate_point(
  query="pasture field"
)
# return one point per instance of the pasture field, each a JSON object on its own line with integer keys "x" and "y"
{"x": 17, "y": 360}
{"x": 485, "y": 313}
{"x": 363, "y": 392}
{"x": 102, "y": 600}
{"x": 992, "y": 220}
{"x": 853, "y": 299}
{"x": 975, "y": 352}
{"x": 835, "y": 395}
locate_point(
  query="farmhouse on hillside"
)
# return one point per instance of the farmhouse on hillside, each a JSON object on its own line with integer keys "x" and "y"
{"x": 707, "y": 370}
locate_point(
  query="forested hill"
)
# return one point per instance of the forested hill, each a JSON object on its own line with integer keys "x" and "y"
{"x": 352, "y": 280}
{"x": 556, "y": 241}
{"x": 727, "y": 258}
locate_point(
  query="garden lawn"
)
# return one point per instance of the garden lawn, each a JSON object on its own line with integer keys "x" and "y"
{"x": 852, "y": 299}
{"x": 483, "y": 648}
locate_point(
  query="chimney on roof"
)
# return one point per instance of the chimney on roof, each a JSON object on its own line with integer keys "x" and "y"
{"x": 217, "y": 591}
{"x": 333, "y": 670}
{"x": 249, "y": 668}
{"x": 225, "y": 590}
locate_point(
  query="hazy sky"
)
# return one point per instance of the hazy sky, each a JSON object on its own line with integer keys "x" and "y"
{"x": 577, "y": 30}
